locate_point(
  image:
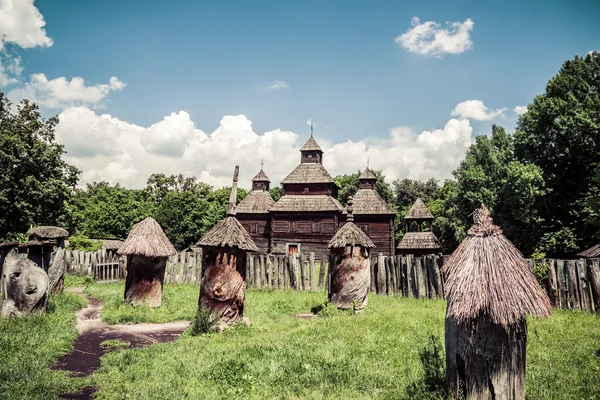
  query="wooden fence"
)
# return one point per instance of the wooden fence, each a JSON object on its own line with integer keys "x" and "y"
{"x": 570, "y": 284}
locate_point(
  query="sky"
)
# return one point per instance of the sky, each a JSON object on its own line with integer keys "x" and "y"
{"x": 196, "y": 87}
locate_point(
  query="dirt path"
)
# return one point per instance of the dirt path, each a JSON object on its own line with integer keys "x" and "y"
{"x": 85, "y": 357}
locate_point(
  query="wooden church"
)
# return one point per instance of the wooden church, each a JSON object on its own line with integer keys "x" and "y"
{"x": 308, "y": 213}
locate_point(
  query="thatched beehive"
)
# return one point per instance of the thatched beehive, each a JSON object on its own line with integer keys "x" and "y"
{"x": 224, "y": 249}
{"x": 350, "y": 265}
{"x": 489, "y": 289}
{"x": 147, "y": 248}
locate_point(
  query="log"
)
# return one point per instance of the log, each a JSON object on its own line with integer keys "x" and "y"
{"x": 594, "y": 275}
{"x": 144, "y": 281}
{"x": 388, "y": 276}
{"x": 252, "y": 282}
{"x": 191, "y": 261}
{"x": 573, "y": 288}
{"x": 322, "y": 275}
{"x": 562, "y": 284}
{"x": 292, "y": 271}
{"x": 350, "y": 275}
{"x": 304, "y": 272}
{"x": 410, "y": 281}
{"x": 552, "y": 286}
{"x": 222, "y": 288}
{"x": 584, "y": 289}
{"x": 373, "y": 275}
{"x": 286, "y": 272}
{"x": 257, "y": 277}
{"x": 380, "y": 274}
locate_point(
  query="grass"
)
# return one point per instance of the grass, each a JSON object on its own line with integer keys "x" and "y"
{"x": 115, "y": 344}
{"x": 28, "y": 346}
{"x": 375, "y": 354}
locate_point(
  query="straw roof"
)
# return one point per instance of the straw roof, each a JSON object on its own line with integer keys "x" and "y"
{"x": 368, "y": 201}
{"x": 261, "y": 177}
{"x": 307, "y": 203}
{"x": 419, "y": 241}
{"x": 350, "y": 234}
{"x": 592, "y": 252}
{"x": 228, "y": 233}
{"x": 48, "y": 232}
{"x": 257, "y": 202}
{"x": 418, "y": 211}
{"x": 309, "y": 173}
{"x": 311, "y": 145}
{"x": 9, "y": 244}
{"x": 147, "y": 238}
{"x": 34, "y": 243}
{"x": 367, "y": 174}
{"x": 487, "y": 275}
{"x": 111, "y": 244}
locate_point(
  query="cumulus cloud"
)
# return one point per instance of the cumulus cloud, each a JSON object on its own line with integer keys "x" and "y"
{"x": 22, "y": 23}
{"x": 62, "y": 93}
{"x": 10, "y": 71}
{"x": 475, "y": 109}
{"x": 106, "y": 148}
{"x": 519, "y": 110}
{"x": 430, "y": 39}
{"x": 276, "y": 85}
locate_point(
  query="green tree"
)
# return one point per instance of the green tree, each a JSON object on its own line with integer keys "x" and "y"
{"x": 560, "y": 133}
{"x": 406, "y": 191}
{"x": 35, "y": 182}
{"x": 159, "y": 186}
{"x": 276, "y": 192}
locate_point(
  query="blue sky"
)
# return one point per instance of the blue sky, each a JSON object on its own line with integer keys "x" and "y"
{"x": 340, "y": 62}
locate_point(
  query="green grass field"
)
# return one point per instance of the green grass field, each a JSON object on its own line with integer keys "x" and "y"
{"x": 344, "y": 356}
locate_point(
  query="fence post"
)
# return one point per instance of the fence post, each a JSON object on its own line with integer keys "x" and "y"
{"x": 311, "y": 261}
{"x": 594, "y": 274}
{"x": 584, "y": 290}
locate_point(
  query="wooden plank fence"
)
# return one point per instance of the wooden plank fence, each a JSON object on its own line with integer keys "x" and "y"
{"x": 570, "y": 284}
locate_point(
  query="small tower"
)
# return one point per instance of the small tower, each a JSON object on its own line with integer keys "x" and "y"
{"x": 351, "y": 266}
{"x": 418, "y": 243}
{"x": 261, "y": 181}
{"x": 224, "y": 249}
{"x": 489, "y": 289}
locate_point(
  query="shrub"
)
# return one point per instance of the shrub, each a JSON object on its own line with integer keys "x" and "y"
{"x": 202, "y": 322}
{"x": 83, "y": 243}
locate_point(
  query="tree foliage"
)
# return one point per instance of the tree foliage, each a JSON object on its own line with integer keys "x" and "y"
{"x": 35, "y": 182}
{"x": 348, "y": 186}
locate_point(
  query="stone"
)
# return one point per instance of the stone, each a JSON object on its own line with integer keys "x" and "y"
{"x": 56, "y": 272}
{"x": 24, "y": 286}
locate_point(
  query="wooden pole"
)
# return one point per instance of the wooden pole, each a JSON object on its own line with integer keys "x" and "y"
{"x": 311, "y": 260}
{"x": 594, "y": 274}
{"x": 573, "y": 289}
{"x": 584, "y": 290}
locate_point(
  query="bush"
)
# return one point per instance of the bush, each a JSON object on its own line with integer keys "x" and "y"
{"x": 325, "y": 310}
{"x": 202, "y": 322}
{"x": 83, "y": 243}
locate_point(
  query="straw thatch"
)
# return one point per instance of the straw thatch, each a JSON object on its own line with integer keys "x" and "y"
{"x": 9, "y": 244}
{"x": 418, "y": 211}
{"x": 350, "y": 235}
{"x": 592, "y": 252}
{"x": 147, "y": 238}
{"x": 34, "y": 243}
{"x": 48, "y": 232}
{"x": 228, "y": 233}
{"x": 368, "y": 201}
{"x": 367, "y": 175}
{"x": 257, "y": 202}
{"x": 311, "y": 145}
{"x": 261, "y": 177}
{"x": 308, "y": 173}
{"x": 420, "y": 241}
{"x": 293, "y": 203}
{"x": 110, "y": 244}
{"x": 487, "y": 275}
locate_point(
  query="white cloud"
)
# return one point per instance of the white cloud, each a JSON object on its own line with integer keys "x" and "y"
{"x": 106, "y": 148}
{"x": 21, "y": 23}
{"x": 475, "y": 109}
{"x": 429, "y": 38}
{"x": 276, "y": 85}
{"x": 520, "y": 110}
{"x": 10, "y": 71}
{"x": 61, "y": 93}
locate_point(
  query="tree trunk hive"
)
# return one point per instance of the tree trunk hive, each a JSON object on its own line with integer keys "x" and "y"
{"x": 224, "y": 260}
{"x": 147, "y": 249}
{"x": 350, "y": 265}
{"x": 489, "y": 289}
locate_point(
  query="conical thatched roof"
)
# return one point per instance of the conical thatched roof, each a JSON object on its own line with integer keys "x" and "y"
{"x": 311, "y": 145}
{"x": 487, "y": 275}
{"x": 367, "y": 174}
{"x": 48, "y": 232}
{"x": 350, "y": 234}
{"x": 228, "y": 233}
{"x": 147, "y": 238}
{"x": 261, "y": 177}
{"x": 418, "y": 211}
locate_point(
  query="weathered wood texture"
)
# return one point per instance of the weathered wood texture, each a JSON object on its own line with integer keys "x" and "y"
{"x": 144, "y": 281}
{"x": 350, "y": 278}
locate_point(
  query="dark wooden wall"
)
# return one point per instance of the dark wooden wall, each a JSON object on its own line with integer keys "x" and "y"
{"x": 313, "y": 189}
{"x": 300, "y": 228}
{"x": 381, "y": 230}
{"x": 259, "y": 228}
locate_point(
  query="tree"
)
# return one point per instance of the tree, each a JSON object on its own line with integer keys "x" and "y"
{"x": 159, "y": 186}
{"x": 406, "y": 191}
{"x": 348, "y": 185}
{"x": 276, "y": 192}
{"x": 35, "y": 183}
{"x": 560, "y": 133}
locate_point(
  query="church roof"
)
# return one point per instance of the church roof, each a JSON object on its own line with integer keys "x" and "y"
{"x": 261, "y": 177}
{"x": 419, "y": 211}
{"x": 308, "y": 173}
{"x": 367, "y": 174}
{"x": 257, "y": 202}
{"x": 311, "y": 145}
{"x": 419, "y": 241}
{"x": 307, "y": 203}
{"x": 368, "y": 201}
